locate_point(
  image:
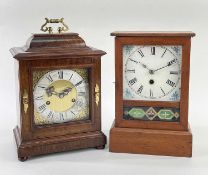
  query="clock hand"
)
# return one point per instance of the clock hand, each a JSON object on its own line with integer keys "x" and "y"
{"x": 144, "y": 66}
{"x": 50, "y": 91}
{"x": 168, "y": 64}
{"x": 160, "y": 68}
{"x": 68, "y": 90}
{"x": 65, "y": 92}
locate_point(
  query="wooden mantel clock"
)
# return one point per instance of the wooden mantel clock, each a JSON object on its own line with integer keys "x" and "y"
{"x": 152, "y": 88}
{"x": 59, "y": 80}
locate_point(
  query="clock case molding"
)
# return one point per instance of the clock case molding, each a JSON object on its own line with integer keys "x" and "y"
{"x": 49, "y": 52}
{"x": 152, "y": 137}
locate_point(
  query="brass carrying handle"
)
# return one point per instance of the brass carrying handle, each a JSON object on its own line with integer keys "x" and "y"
{"x": 97, "y": 94}
{"x": 44, "y": 27}
{"x": 25, "y": 101}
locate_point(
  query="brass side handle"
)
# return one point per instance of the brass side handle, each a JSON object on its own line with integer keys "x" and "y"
{"x": 25, "y": 101}
{"x": 44, "y": 27}
{"x": 97, "y": 94}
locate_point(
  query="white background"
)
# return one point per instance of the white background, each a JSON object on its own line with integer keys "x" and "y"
{"x": 94, "y": 20}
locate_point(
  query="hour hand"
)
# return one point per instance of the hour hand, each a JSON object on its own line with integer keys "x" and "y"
{"x": 144, "y": 66}
{"x": 67, "y": 90}
{"x": 64, "y": 92}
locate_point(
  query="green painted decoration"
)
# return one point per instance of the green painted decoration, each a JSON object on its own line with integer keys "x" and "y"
{"x": 137, "y": 113}
{"x": 165, "y": 114}
{"x": 152, "y": 113}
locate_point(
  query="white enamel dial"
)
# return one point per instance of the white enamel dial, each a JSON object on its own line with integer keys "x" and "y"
{"x": 61, "y": 96}
{"x": 152, "y": 72}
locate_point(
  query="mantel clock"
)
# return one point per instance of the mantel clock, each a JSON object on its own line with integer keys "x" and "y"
{"x": 152, "y": 87}
{"x": 58, "y": 86}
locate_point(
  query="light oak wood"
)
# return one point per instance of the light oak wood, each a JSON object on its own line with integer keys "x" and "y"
{"x": 151, "y": 137}
{"x": 148, "y": 141}
{"x": 152, "y": 33}
{"x": 142, "y": 38}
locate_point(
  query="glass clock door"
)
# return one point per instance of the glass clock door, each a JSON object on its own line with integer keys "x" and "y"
{"x": 152, "y": 73}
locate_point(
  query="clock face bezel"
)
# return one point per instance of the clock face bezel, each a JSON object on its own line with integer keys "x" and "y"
{"x": 80, "y": 126}
{"x": 182, "y": 104}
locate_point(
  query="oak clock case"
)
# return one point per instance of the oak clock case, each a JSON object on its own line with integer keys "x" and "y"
{"x": 152, "y": 83}
{"x": 59, "y": 84}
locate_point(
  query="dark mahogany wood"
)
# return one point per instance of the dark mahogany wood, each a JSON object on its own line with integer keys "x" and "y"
{"x": 150, "y": 38}
{"x": 54, "y": 46}
{"x": 56, "y": 51}
{"x": 61, "y": 143}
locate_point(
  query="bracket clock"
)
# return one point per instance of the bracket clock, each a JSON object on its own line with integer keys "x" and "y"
{"x": 58, "y": 86}
{"x": 152, "y": 87}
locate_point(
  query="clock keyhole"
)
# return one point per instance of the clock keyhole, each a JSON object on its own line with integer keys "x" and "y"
{"x": 151, "y": 81}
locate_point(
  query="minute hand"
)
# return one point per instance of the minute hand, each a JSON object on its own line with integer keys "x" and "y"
{"x": 161, "y": 68}
{"x": 169, "y": 64}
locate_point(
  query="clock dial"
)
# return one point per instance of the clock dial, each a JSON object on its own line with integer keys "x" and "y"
{"x": 152, "y": 72}
{"x": 61, "y": 96}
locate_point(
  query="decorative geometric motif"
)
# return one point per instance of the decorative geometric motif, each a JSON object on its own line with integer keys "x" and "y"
{"x": 137, "y": 113}
{"x": 177, "y": 49}
{"x": 175, "y": 96}
{"x": 152, "y": 114}
{"x": 165, "y": 114}
{"x": 128, "y": 49}
{"x": 176, "y": 115}
{"x": 128, "y": 93}
{"x": 126, "y": 112}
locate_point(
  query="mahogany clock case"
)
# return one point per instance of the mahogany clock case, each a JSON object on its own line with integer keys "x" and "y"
{"x": 139, "y": 133}
{"x": 50, "y": 52}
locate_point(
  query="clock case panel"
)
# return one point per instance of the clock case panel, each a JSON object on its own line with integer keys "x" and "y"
{"x": 185, "y": 42}
{"x": 71, "y": 127}
{"x": 55, "y": 51}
